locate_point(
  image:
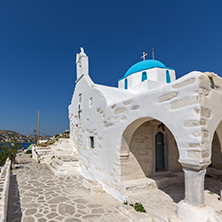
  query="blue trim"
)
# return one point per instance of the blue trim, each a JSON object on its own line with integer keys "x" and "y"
{"x": 144, "y": 76}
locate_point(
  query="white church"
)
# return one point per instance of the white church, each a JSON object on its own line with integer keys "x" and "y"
{"x": 151, "y": 125}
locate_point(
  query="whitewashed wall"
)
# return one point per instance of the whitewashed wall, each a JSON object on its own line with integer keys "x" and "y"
{"x": 113, "y": 110}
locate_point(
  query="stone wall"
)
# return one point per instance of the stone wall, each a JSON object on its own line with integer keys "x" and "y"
{"x": 4, "y": 189}
{"x": 216, "y": 158}
{"x": 141, "y": 147}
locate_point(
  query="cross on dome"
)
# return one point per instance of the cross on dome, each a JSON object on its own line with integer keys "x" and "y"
{"x": 144, "y": 55}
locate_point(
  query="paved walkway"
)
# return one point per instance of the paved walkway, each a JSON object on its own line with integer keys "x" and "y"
{"x": 37, "y": 195}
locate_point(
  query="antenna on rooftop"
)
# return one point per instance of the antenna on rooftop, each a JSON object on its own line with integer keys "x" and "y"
{"x": 153, "y": 53}
{"x": 144, "y": 55}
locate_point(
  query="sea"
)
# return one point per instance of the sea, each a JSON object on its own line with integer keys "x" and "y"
{"x": 25, "y": 145}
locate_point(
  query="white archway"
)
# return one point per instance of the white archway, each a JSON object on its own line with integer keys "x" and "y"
{"x": 137, "y": 152}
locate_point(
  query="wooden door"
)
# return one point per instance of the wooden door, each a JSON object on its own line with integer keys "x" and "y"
{"x": 159, "y": 145}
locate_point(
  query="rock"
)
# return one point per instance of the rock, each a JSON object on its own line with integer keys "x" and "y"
{"x": 58, "y": 200}
{"x": 30, "y": 211}
{"x": 66, "y": 209}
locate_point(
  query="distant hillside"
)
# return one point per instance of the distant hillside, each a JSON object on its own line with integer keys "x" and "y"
{"x": 9, "y": 133}
{"x": 11, "y": 136}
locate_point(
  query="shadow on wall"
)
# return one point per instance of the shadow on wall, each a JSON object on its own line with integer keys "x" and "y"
{"x": 213, "y": 179}
{"x": 14, "y": 205}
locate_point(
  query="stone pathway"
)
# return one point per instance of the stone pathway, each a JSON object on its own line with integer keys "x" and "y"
{"x": 37, "y": 195}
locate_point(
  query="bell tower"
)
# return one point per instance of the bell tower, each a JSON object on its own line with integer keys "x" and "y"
{"x": 82, "y": 64}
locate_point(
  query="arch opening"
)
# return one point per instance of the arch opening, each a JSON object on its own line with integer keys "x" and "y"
{"x": 148, "y": 147}
{"x": 126, "y": 84}
{"x": 168, "y": 79}
{"x": 214, "y": 171}
{"x": 144, "y": 76}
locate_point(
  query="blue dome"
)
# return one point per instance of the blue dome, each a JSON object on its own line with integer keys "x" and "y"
{"x": 142, "y": 65}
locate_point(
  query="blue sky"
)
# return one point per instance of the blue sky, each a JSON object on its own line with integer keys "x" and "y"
{"x": 39, "y": 40}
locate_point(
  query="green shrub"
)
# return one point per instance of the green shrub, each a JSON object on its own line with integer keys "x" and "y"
{"x": 137, "y": 206}
{"x": 8, "y": 150}
{"x": 28, "y": 152}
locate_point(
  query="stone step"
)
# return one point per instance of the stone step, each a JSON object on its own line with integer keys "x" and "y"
{"x": 66, "y": 164}
{"x": 141, "y": 185}
{"x": 43, "y": 152}
{"x": 68, "y": 146}
{"x": 72, "y": 158}
{"x": 41, "y": 148}
{"x": 134, "y": 215}
{"x": 55, "y": 165}
{"x": 165, "y": 179}
{"x": 63, "y": 170}
{"x": 61, "y": 153}
{"x": 92, "y": 185}
{"x": 55, "y": 170}
{"x": 158, "y": 205}
{"x": 65, "y": 149}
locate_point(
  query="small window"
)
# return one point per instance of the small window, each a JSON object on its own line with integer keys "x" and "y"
{"x": 80, "y": 97}
{"x": 91, "y": 141}
{"x": 91, "y": 102}
{"x": 168, "y": 80}
{"x": 126, "y": 84}
{"x": 79, "y": 111}
{"x": 144, "y": 76}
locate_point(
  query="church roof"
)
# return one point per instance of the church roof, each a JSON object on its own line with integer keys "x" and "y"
{"x": 142, "y": 65}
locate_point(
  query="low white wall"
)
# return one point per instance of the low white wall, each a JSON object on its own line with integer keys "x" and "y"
{"x": 34, "y": 154}
{"x": 4, "y": 189}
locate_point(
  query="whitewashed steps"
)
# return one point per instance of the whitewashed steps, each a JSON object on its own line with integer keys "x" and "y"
{"x": 61, "y": 157}
{"x": 44, "y": 154}
{"x": 65, "y": 165}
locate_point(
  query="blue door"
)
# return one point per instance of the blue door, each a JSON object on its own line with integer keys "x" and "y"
{"x": 159, "y": 145}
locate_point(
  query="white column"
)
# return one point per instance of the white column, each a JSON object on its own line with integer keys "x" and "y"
{"x": 194, "y": 186}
